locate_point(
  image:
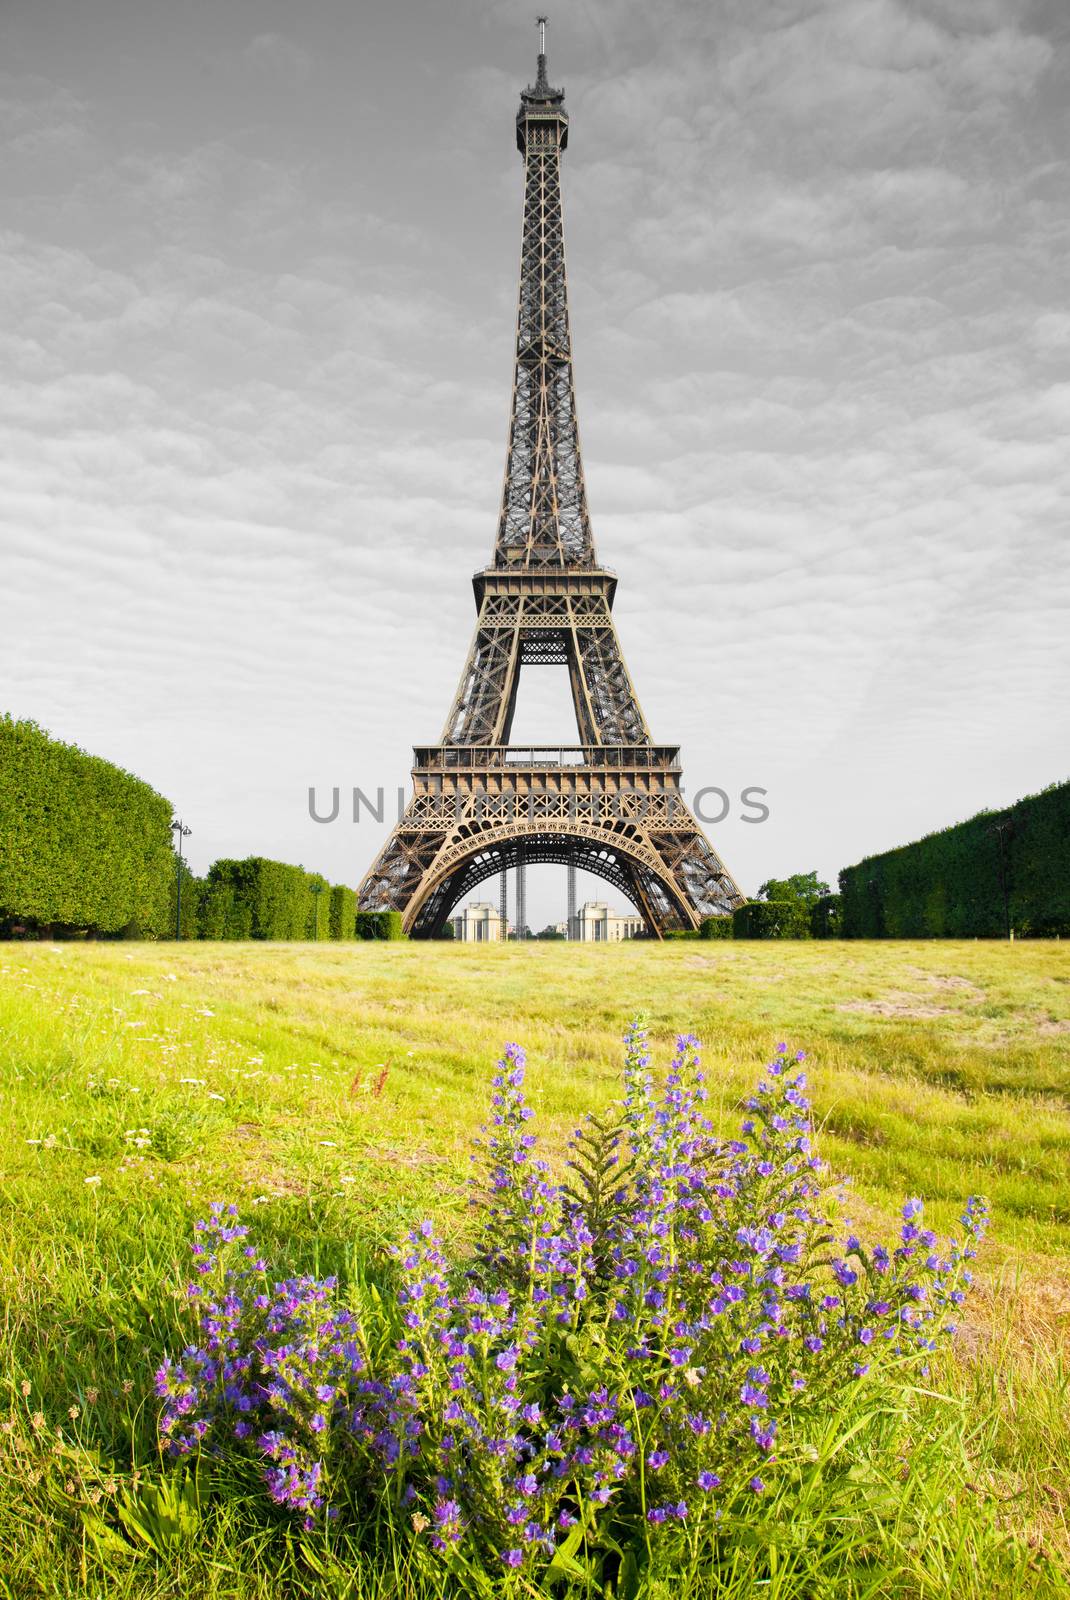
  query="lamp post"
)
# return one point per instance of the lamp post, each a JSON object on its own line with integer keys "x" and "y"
{"x": 181, "y": 832}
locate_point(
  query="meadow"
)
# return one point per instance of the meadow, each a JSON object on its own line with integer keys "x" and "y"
{"x": 332, "y": 1091}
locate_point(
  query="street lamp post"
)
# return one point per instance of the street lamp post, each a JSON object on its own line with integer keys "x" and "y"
{"x": 182, "y": 832}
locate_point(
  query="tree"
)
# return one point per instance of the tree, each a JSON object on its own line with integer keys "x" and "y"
{"x": 802, "y": 888}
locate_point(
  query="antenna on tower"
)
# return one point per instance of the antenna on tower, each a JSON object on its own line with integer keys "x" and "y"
{"x": 542, "y": 83}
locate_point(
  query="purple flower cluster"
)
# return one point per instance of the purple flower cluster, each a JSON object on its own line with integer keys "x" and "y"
{"x": 645, "y": 1347}
{"x": 273, "y": 1367}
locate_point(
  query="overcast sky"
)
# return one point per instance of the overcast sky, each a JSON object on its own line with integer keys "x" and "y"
{"x": 258, "y": 270}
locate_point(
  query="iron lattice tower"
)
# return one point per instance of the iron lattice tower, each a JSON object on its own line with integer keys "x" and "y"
{"x": 611, "y": 804}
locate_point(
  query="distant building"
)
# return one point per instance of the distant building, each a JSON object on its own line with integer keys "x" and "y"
{"x": 478, "y": 922}
{"x": 595, "y": 920}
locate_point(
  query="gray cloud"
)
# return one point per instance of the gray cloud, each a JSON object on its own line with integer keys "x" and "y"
{"x": 274, "y": 53}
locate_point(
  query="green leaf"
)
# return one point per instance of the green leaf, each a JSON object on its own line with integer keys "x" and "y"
{"x": 164, "y": 1515}
{"x": 106, "y": 1540}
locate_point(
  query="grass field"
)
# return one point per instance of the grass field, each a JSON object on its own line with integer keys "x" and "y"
{"x": 333, "y": 1090}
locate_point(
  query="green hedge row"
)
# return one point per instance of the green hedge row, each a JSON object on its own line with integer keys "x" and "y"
{"x": 83, "y": 844}
{"x": 379, "y": 925}
{"x": 342, "y": 922}
{"x": 771, "y": 919}
{"x": 758, "y": 919}
{"x": 826, "y": 917}
{"x": 708, "y": 928}
{"x": 261, "y": 899}
{"x": 318, "y": 921}
{"x": 258, "y": 899}
{"x": 971, "y": 880}
{"x": 85, "y": 848}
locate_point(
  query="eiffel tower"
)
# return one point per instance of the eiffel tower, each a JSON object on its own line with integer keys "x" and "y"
{"x": 611, "y": 804}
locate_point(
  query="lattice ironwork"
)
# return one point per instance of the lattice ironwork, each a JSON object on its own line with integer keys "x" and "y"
{"x": 572, "y": 628}
{"x": 611, "y": 804}
{"x": 544, "y": 520}
{"x": 519, "y": 860}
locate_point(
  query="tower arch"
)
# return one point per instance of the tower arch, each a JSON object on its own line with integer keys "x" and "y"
{"x": 619, "y": 858}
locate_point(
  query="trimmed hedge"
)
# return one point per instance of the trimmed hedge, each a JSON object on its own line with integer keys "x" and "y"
{"x": 952, "y": 884}
{"x": 87, "y": 848}
{"x": 257, "y": 899}
{"x": 771, "y": 919}
{"x": 217, "y": 918}
{"x": 83, "y": 845}
{"x": 343, "y": 912}
{"x": 318, "y": 921}
{"x": 715, "y": 928}
{"x": 379, "y": 925}
{"x": 826, "y": 916}
{"x": 261, "y": 899}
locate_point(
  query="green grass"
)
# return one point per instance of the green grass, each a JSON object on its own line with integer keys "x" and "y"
{"x": 332, "y": 1092}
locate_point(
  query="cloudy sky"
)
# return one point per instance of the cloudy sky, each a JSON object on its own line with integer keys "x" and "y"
{"x": 258, "y": 271}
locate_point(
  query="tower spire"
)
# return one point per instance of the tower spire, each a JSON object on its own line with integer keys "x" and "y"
{"x": 544, "y": 520}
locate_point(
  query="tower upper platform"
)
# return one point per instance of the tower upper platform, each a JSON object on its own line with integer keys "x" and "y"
{"x": 541, "y": 106}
